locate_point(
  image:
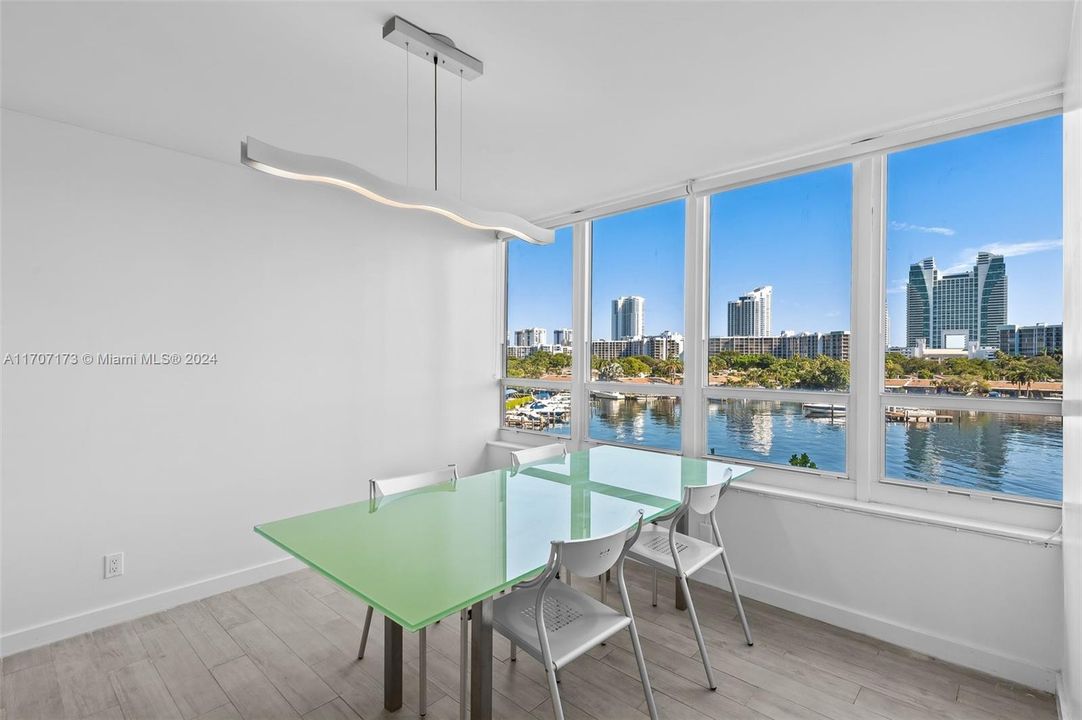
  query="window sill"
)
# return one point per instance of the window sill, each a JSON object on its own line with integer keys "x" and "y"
{"x": 1033, "y": 536}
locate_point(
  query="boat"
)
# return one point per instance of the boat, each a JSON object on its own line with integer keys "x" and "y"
{"x": 606, "y": 395}
{"x": 823, "y": 410}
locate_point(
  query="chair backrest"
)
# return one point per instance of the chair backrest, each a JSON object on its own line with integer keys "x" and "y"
{"x": 382, "y": 487}
{"x": 537, "y": 454}
{"x": 704, "y": 498}
{"x": 594, "y": 556}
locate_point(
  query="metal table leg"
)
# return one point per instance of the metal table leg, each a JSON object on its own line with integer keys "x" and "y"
{"x": 681, "y": 604}
{"x": 392, "y": 665}
{"x": 481, "y": 660}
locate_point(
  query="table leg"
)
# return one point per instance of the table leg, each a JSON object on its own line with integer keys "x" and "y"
{"x": 392, "y": 665}
{"x": 681, "y": 604}
{"x": 481, "y": 660}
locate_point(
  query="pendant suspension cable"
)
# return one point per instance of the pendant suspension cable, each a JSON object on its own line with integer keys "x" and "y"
{"x": 407, "y": 113}
{"x": 460, "y": 134}
{"x": 435, "y": 123}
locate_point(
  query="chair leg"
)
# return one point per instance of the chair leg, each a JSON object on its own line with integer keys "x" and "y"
{"x": 514, "y": 651}
{"x": 364, "y": 633}
{"x": 422, "y": 639}
{"x": 604, "y": 587}
{"x": 654, "y": 601}
{"x": 736, "y": 597}
{"x": 698, "y": 633}
{"x": 463, "y": 663}
{"x": 641, "y": 662}
{"x": 554, "y": 692}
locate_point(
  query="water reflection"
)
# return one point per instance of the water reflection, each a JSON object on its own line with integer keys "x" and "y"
{"x": 773, "y": 432}
{"x": 997, "y": 452}
{"x": 650, "y": 421}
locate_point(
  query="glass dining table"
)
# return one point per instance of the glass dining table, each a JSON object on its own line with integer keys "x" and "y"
{"x": 427, "y": 554}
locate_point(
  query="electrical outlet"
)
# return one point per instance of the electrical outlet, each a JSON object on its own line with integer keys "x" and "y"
{"x": 114, "y": 565}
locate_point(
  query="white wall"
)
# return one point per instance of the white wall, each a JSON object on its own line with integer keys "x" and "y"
{"x": 1071, "y": 690}
{"x": 352, "y": 340}
{"x": 984, "y": 602}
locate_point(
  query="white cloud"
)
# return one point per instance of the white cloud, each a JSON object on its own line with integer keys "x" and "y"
{"x": 899, "y": 287}
{"x": 966, "y": 258}
{"x": 933, "y": 229}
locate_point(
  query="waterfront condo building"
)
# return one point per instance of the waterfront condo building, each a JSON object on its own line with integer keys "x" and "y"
{"x": 561, "y": 336}
{"x": 750, "y": 314}
{"x": 833, "y": 344}
{"x": 628, "y": 317}
{"x": 528, "y": 337}
{"x": 1031, "y": 340}
{"x": 950, "y": 311}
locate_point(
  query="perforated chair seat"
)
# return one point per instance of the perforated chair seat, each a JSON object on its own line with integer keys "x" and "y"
{"x": 652, "y": 548}
{"x": 575, "y": 622}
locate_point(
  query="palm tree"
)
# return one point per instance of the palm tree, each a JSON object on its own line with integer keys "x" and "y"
{"x": 1021, "y": 374}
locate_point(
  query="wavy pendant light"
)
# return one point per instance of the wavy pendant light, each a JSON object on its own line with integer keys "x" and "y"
{"x": 441, "y": 52}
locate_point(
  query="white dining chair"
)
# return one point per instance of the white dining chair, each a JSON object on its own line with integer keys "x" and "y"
{"x": 674, "y": 553}
{"x": 537, "y": 454}
{"x": 378, "y": 490}
{"x": 522, "y": 458}
{"x": 555, "y": 624}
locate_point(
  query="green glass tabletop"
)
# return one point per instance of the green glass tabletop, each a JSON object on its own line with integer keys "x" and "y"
{"x": 423, "y": 555}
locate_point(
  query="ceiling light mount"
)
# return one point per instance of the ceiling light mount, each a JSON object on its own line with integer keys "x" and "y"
{"x": 432, "y": 46}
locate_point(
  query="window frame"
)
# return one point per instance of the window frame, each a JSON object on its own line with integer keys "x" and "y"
{"x": 502, "y": 319}
{"x": 589, "y": 385}
{"x": 864, "y": 480}
{"x": 718, "y": 392}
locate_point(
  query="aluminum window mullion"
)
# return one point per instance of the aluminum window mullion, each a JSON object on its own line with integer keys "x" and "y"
{"x": 537, "y": 383}
{"x": 974, "y": 404}
{"x": 731, "y": 392}
{"x": 638, "y": 389}
{"x": 582, "y": 240}
{"x": 864, "y": 429}
{"x": 696, "y": 292}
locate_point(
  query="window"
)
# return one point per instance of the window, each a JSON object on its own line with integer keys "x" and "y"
{"x": 637, "y": 319}
{"x": 538, "y": 339}
{"x": 961, "y": 313}
{"x": 780, "y": 256}
{"x": 974, "y": 292}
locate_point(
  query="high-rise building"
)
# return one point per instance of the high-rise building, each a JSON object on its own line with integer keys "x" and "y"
{"x": 561, "y": 336}
{"x": 528, "y": 337}
{"x": 750, "y": 315}
{"x": 1031, "y": 340}
{"x": 628, "y": 317}
{"x": 951, "y": 311}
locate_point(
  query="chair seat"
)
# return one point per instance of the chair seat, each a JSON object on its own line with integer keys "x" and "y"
{"x": 575, "y": 622}
{"x": 652, "y": 548}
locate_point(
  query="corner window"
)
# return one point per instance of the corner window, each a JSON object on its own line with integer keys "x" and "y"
{"x": 974, "y": 271}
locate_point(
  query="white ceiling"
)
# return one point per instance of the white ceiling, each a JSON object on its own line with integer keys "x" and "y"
{"x": 580, "y": 102}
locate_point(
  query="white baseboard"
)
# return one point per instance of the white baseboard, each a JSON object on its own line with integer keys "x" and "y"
{"x": 949, "y": 649}
{"x": 32, "y": 637}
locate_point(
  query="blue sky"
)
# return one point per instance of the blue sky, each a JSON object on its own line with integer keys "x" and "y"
{"x": 1000, "y": 191}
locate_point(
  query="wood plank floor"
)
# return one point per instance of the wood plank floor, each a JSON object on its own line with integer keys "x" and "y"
{"x": 285, "y": 648}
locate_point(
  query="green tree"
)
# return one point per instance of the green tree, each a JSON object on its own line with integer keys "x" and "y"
{"x": 802, "y": 460}
{"x": 633, "y": 367}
